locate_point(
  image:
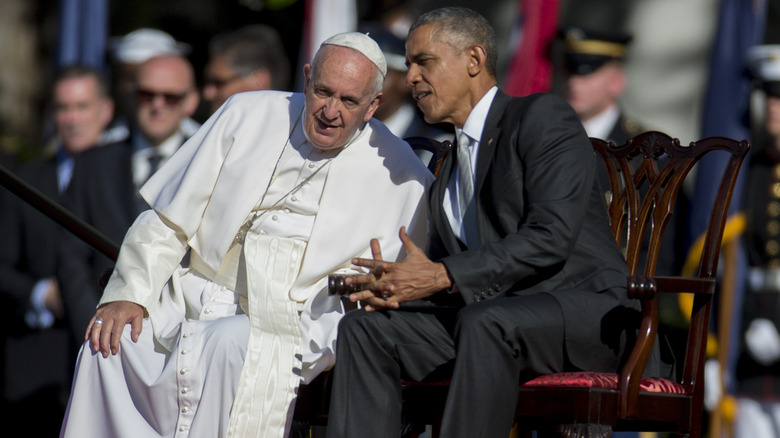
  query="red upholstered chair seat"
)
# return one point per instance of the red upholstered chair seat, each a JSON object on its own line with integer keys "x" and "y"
{"x": 604, "y": 380}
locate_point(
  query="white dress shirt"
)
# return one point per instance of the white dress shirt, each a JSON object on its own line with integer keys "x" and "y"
{"x": 601, "y": 125}
{"x": 473, "y": 127}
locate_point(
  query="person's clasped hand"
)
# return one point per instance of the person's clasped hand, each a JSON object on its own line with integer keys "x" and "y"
{"x": 388, "y": 284}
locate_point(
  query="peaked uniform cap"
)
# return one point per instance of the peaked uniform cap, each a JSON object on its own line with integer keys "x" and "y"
{"x": 586, "y": 50}
{"x": 764, "y": 63}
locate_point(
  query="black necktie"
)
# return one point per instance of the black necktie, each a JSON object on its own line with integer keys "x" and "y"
{"x": 154, "y": 162}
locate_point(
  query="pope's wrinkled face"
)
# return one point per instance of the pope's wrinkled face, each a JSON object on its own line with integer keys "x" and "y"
{"x": 438, "y": 75}
{"x": 339, "y": 89}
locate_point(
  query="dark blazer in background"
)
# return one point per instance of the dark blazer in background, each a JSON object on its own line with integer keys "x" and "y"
{"x": 36, "y": 363}
{"x": 102, "y": 193}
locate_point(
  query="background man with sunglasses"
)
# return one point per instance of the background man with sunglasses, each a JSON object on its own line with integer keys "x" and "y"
{"x": 105, "y": 183}
{"x": 248, "y": 59}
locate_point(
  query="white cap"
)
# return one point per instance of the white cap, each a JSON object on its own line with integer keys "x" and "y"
{"x": 142, "y": 44}
{"x": 764, "y": 62}
{"x": 363, "y": 44}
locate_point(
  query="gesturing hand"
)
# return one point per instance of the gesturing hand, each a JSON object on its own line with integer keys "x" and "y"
{"x": 389, "y": 284}
{"x": 105, "y": 328}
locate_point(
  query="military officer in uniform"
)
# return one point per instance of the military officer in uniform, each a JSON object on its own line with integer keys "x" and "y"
{"x": 758, "y": 364}
{"x": 594, "y": 81}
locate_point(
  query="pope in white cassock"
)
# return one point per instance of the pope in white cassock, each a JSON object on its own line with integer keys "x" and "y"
{"x": 217, "y": 308}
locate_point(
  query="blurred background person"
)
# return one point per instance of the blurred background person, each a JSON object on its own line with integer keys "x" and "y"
{"x": 248, "y": 59}
{"x": 595, "y": 80}
{"x": 35, "y": 391}
{"x": 399, "y": 112}
{"x": 758, "y": 364}
{"x": 127, "y": 54}
{"x": 104, "y": 189}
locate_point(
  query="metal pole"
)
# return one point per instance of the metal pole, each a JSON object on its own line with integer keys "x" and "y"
{"x": 57, "y": 213}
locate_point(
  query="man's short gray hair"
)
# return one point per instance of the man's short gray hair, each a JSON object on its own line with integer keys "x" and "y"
{"x": 461, "y": 29}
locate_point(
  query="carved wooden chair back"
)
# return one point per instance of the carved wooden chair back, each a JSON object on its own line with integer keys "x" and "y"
{"x": 646, "y": 175}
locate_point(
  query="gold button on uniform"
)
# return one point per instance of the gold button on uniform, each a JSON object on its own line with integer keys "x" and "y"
{"x": 773, "y": 209}
{"x": 773, "y": 227}
{"x": 772, "y": 248}
{"x": 776, "y": 190}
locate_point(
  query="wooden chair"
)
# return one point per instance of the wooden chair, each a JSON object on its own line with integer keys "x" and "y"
{"x": 432, "y": 152}
{"x": 642, "y": 199}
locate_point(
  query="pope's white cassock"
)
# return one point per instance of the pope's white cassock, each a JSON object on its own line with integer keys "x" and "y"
{"x": 231, "y": 265}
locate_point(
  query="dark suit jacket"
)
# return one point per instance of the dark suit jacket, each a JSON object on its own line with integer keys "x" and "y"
{"x": 542, "y": 226}
{"x": 102, "y": 193}
{"x": 35, "y": 390}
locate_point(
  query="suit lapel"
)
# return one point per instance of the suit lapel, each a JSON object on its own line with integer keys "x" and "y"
{"x": 490, "y": 134}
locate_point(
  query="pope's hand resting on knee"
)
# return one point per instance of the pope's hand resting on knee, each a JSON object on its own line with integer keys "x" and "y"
{"x": 105, "y": 328}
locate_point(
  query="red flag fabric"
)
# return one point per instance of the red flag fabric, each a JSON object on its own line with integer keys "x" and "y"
{"x": 530, "y": 69}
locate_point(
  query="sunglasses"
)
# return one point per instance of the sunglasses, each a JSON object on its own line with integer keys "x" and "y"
{"x": 148, "y": 96}
{"x": 219, "y": 83}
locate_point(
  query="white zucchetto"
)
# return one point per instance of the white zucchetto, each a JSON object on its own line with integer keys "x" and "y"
{"x": 363, "y": 44}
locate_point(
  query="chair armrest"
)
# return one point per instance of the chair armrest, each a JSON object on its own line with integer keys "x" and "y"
{"x": 644, "y": 287}
{"x": 647, "y": 288}
{"x": 337, "y": 285}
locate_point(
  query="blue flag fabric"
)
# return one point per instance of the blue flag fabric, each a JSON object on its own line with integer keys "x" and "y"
{"x": 725, "y": 113}
{"x": 83, "y": 32}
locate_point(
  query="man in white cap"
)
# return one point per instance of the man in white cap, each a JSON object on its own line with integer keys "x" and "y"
{"x": 128, "y": 53}
{"x": 218, "y": 307}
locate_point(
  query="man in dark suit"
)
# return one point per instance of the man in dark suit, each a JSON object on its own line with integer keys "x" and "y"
{"x": 524, "y": 276}
{"x": 104, "y": 190}
{"x": 35, "y": 391}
